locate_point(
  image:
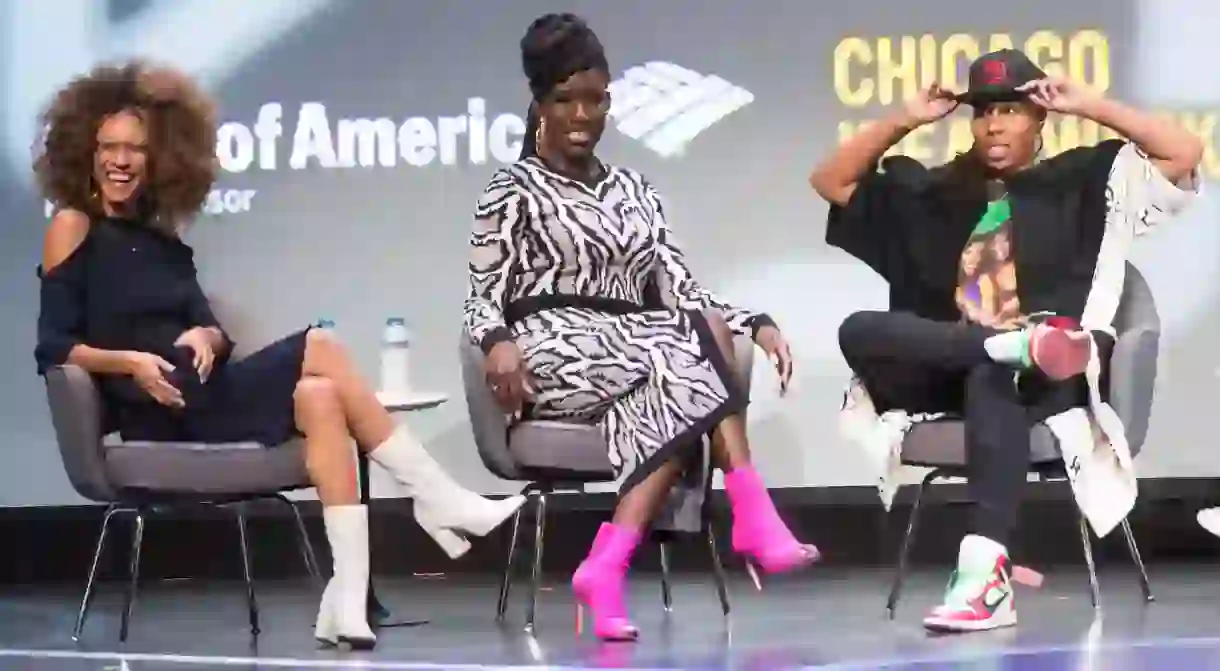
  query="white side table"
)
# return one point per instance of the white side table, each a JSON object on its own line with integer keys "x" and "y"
{"x": 379, "y": 615}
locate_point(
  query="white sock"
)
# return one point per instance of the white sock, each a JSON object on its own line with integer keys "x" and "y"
{"x": 1011, "y": 347}
{"x": 978, "y": 554}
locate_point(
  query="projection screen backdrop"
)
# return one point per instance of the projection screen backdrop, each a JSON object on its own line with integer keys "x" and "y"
{"x": 357, "y": 135}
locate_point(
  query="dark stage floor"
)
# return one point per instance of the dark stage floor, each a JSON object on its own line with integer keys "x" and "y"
{"x": 828, "y": 619}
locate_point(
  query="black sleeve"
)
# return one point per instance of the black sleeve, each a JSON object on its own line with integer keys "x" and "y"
{"x": 61, "y": 316}
{"x": 1081, "y": 167}
{"x": 200, "y": 313}
{"x": 200, "y": 309}
{"x": 867, "y": 227}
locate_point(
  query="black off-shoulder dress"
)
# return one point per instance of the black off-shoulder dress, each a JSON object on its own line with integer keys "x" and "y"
{"x": 131, "y": 287}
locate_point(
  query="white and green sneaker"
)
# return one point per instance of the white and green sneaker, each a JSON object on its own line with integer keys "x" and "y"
{"x": 980, "y": 596}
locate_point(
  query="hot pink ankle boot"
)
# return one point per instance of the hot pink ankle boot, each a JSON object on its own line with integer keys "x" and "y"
{"x": 758, "y": 532}
{"x": 598, "y": 583}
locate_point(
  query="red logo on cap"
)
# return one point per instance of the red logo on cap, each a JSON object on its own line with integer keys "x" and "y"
{"x": 994, "y": 72}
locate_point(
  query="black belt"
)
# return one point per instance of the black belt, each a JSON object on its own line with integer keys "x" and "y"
{"x": 524, "y": 307}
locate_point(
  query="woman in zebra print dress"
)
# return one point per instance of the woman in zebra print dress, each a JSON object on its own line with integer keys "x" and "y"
{"x": 584, "y": 307}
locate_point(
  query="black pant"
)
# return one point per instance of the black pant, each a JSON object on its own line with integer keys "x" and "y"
{"x": 919, "y": 365}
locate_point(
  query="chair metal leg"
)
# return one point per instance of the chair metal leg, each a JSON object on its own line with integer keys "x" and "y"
{"x": 137, "y": 543}
{"x": 303, "y": 540}
{"x": 908, "y": 541}
{"x": 1139, "y": 562}
{"x": 718, "y": 572}
{"x": 506, "y": 580}
{"x": 247, "y": 574}
{"x": 536, "y": 571}
{"x": 87, "y": 599}
{"x": 1087, "y": 545}
{"x": 667, "y": 597}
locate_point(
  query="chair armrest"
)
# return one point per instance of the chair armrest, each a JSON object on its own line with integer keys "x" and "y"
{"x": 1133, "y": 367}
{"x": 487, "y": 420}
{"x": 77, "y": 415}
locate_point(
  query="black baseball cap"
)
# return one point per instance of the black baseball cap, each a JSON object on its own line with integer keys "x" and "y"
{"x": 994, "y": 78}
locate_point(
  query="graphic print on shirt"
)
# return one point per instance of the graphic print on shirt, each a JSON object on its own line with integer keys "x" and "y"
{"x": 987, "y": 274}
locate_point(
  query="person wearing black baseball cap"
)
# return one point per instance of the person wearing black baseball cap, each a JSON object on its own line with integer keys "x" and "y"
{"x": 1002, "y": 267}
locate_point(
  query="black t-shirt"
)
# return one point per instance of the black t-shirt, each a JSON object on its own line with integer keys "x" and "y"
{"x": 911, "y": 225}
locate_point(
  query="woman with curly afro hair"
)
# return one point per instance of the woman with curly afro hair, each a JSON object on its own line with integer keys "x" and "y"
{"x": 127, "y": 159}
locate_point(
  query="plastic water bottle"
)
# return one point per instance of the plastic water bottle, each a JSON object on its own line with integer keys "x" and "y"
{"x": 395, "y": 365}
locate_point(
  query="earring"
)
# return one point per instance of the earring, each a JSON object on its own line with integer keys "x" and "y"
{"x": 538, "y": 132}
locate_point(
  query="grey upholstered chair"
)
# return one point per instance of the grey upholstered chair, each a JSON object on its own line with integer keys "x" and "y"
{"x": 140, "y": 478}
{"x": 941, "y": 445}
{"x": 565, "y": 457}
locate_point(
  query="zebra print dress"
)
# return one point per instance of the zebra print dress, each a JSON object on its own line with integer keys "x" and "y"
{"x": 587, "y": 279}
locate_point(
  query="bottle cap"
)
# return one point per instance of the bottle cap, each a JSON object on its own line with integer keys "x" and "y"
{"x": 395, "y": 321}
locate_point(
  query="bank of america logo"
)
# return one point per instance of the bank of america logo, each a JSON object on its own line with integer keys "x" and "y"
{"x": 665, "y": 106}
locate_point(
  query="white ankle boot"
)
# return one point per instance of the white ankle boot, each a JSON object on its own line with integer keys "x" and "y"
{"x": 444, "y": 509}
{"x": 342, "y": 616}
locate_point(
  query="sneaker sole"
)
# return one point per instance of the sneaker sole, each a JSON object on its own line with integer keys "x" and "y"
{"x": 1060, "y": 356}
{"x": 965, "y": 626}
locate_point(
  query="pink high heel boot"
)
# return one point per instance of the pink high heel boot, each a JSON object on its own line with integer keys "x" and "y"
{"x": 598, "y": 583}
{"x": 758, "y": 532}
